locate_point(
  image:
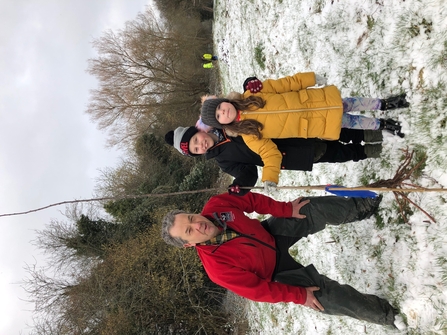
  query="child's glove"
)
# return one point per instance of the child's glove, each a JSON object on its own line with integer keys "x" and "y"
{"x": 235, "y": 190}
{"x": 270, "y": 187}
{"x": 252, "y": 84}
{"x": 320, "y": 81}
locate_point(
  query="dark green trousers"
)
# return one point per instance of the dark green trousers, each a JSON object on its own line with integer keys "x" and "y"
{"x": 336, "y": 299}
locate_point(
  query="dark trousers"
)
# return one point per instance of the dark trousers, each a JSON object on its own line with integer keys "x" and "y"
{"x": 337, "y": 152}
{"x": 336, "y": 299}
{"x": 342, "y": 150}
{"x": 351, "y": 135}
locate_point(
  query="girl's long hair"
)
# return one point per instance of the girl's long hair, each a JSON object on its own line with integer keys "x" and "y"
{"x": 246, "y": 127}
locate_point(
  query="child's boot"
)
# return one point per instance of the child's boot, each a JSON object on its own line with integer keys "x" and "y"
{"x": 392, "y": 126}
{"x": 393, "y": 102}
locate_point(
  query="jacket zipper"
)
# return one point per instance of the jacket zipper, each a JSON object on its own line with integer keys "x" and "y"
{"x": 226, "y": 140}
{"x": 290, "y": 110}
{"x": 250, "y": 238}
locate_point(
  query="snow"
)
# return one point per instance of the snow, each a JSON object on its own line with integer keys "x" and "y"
{"x": 371, "y": 48}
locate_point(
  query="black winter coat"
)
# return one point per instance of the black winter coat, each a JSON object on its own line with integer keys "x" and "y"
{"x": 235, "y": 158}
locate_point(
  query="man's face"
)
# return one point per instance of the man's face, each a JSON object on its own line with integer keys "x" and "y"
{"x": 200, "y": 143}
{"x": 225, "y": 113}
{"x": 193, "y": 228}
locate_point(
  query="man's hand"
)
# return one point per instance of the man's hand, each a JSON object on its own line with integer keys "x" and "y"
{"x": 311, "y": 301}
{"x": 297, "y": 204}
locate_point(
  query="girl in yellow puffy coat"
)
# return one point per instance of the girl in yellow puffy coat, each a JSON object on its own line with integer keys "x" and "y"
{"x": 283, "y": 108}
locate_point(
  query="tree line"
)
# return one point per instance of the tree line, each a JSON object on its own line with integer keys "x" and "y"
{"x": 109, "y": 272}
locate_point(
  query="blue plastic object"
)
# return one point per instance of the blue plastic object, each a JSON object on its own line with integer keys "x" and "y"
{"x": 349, "y": 193}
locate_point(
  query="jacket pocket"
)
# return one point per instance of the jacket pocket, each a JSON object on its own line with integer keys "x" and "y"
{"x": 303, "y": 128}
{"x": 303, "y": 95}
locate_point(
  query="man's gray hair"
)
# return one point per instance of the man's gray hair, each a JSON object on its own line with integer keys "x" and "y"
{"x": 167, "y": 224}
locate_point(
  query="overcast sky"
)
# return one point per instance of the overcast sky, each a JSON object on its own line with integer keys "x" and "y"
{"x": 49, "y": 149}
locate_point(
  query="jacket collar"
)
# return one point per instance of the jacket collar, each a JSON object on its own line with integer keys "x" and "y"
{"x": 212, "y": 152}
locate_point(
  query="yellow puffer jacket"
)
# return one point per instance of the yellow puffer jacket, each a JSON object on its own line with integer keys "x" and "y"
{"x": 293, "y": 110}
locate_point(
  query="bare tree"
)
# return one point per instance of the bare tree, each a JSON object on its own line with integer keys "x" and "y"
{"x": 146, "y": 69}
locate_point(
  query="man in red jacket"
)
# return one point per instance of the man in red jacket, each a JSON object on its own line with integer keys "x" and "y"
{"x": 251, "y": 258}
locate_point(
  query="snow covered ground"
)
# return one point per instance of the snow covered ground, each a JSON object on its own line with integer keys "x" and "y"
{"x": 371, "y": 48}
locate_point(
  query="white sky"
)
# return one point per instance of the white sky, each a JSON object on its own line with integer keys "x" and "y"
{"x": 49, "y": 149}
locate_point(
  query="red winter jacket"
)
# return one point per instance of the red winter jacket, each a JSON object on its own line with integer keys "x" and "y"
{"x": 245, "y": 264}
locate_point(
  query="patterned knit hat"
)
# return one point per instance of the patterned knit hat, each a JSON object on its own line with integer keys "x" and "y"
{"x": 208, "y": 112}
{"x": 180, "y": 138}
